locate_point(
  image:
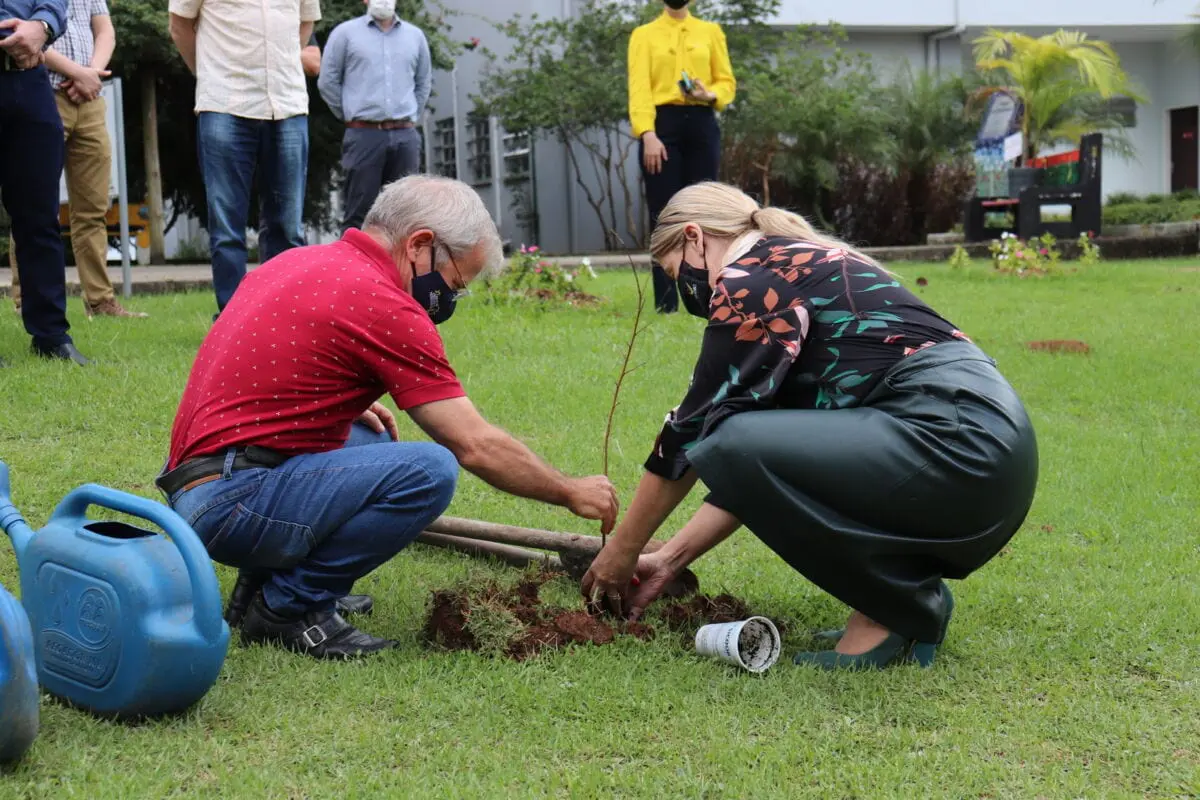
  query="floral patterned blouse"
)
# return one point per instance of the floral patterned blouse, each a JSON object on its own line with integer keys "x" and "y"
{"x": 794, "y": 324}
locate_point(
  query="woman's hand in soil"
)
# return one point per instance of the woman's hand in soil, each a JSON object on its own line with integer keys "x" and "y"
{"x": 653, "y": 573}
{"x": 607, "y": 581}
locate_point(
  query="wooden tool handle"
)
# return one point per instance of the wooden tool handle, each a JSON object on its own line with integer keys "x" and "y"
{"x": 530, "y": 537}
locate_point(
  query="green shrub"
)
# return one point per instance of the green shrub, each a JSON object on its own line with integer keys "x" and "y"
{"x": 1153, "y": 210}
{"x": 1123, "y": 199}
{"x": 529, "y": 276}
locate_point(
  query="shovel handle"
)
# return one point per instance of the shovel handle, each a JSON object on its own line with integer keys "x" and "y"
{"x": 206, "y": 593}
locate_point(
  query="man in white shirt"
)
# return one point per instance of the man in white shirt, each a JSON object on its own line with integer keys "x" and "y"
{"x": 252, "y": 105}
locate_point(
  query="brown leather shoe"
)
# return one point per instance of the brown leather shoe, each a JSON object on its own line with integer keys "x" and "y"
{"x": 110, "y": 308}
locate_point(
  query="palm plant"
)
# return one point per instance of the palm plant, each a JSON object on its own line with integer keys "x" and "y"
{"x": 928, "y": 123}
{"x": 1063, "y": 80}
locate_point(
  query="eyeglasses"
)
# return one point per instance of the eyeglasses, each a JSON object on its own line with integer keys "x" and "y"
{"x": 462, "y": 291}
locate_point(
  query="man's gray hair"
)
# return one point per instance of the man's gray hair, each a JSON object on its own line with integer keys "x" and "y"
{"x": 448, "y": 207}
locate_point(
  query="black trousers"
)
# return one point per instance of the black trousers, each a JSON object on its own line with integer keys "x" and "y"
{"x": 928, "y": 479}
{"x": 371, "y": 159}
{"x": 693, "y": 141}
{"x": 31, "y": 162}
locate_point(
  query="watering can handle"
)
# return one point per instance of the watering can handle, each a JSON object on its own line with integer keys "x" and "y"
{"x": 206, "y": 593}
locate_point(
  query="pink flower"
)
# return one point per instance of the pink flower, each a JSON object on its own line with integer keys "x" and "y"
{"x": 1043, "y": 251}
{"x": 523, "y": 249}
{"x": 1020, "y": 254}
{"x": 533, "y": 249}
{"x": 537, "y": 270}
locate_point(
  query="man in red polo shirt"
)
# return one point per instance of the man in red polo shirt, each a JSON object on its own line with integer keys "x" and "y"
{"x": 282, "y": 460}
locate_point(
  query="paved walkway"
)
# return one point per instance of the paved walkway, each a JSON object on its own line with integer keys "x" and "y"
{"x": 146, "y": 280}
{"x": 184, "y": 277}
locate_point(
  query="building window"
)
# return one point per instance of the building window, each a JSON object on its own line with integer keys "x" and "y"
{"x": 445, "y": 148}
{"x": 1124, "y": 109}
{"x": 479, "y": 149}
{"x": 518, "y": 161}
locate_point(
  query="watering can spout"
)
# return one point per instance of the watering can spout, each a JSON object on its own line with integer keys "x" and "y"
{"x": 10, "y": 519}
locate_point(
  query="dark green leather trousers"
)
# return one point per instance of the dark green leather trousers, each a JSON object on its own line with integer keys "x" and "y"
{"x": 928, "y": 479}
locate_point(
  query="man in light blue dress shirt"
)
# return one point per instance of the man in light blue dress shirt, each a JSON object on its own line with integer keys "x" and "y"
{"x": 376, "y": 76}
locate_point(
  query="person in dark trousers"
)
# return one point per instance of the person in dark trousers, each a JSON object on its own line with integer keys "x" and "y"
{"x": 857, "y": 433}
{"x": 679, "y": 77}
{"x": 31, "y": 162}
{"x": 376, "y": 77}
{"x": 78, "y": 65}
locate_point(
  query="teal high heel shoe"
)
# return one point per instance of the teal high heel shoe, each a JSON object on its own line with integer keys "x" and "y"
{"x": 893, "y": 650}
{"x": 830, "y": 636}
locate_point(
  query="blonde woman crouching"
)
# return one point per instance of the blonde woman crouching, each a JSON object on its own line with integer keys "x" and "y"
{"x": 856, "y": 432}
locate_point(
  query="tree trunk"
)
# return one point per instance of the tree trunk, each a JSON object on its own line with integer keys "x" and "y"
{"x": 918, "y": 197}
{"x": 153, "y": 171}
{"x": 766, "y": 177}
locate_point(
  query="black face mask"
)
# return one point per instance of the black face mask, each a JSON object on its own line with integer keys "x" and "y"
{"x": 676, "y": 4}
{"x": 434, "y": 295}
{"x": 694, "y": 291}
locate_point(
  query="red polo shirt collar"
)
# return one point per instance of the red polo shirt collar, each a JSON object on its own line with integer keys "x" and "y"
{"x": 379, "y": 258}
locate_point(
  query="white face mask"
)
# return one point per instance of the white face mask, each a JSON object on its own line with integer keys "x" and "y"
{"x": 381, "y": 9}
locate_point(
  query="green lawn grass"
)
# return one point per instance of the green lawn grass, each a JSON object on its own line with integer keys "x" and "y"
{"x": 1070, "y": 669}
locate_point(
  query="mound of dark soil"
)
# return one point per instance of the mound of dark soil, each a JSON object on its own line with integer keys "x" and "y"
{"x": 530, "y": 626}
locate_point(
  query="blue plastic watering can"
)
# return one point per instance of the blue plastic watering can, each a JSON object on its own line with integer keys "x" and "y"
{"x": 18, "y": 681}
{"x": 126, "y": 622}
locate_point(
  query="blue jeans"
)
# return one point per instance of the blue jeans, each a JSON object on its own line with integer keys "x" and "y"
{"x": 319, "y": 522}
{"x": 229, "y": 149}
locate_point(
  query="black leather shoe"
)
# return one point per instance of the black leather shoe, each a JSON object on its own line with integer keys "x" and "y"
{"x": 64, "y": 352}
{"x": 352, "y": 604}
{"x": 320, "y": 634}
{"x": 249, "y": 582}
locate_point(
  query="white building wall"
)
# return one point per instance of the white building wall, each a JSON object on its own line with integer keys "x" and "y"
{"x": 889, "y": 52}
{"x": 930, "y": 15}
{"x": 1073, "y": 13}
{"x": 1145, "y": 172}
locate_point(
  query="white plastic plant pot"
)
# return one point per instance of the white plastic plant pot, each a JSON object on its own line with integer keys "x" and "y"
{"x": 752, "y": 644}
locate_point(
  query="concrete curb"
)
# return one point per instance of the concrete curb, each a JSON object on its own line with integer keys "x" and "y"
{"x": 1177, "y": 240}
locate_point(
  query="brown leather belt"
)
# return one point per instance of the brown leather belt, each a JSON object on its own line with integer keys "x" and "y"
{"x": 199, "y": 482}
{"x": 386, "y": 125}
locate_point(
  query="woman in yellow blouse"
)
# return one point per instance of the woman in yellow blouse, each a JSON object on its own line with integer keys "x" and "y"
{"x": 679, "y": 76}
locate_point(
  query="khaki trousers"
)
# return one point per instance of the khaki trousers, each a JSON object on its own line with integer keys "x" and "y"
{"x": 88, "y": 162}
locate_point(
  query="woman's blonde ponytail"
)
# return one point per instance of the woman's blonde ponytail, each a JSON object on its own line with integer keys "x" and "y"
{"x": 727, "y": 212}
